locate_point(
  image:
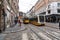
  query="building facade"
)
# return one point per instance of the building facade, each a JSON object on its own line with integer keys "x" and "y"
{"x": 48, "y": 8}
{"x": 2, "y": 25}
{"x": 31, "y": 13}
{"x": 10, "y": 10}
{"x": 21, "y": 14}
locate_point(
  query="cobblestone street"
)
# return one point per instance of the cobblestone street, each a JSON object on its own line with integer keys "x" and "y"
{"x": 31, "y": 32}
{"x": 29, "y": 19}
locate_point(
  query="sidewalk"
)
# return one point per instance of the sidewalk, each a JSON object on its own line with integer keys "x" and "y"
{"x": 55, "y": 25}
{"x": 14, "y": 29}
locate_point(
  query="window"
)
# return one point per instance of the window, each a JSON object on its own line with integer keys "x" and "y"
{"x": 49, "y": 11}
{"x": 58, "y": 10}
{"x": 8, "y": 1}
{"x": 12, "y": 0}
{"x": 43, "y": 13}
{"x": 48, "y": 6}
{"x": 14, "y": 3}
{"x": 58, "y": 4}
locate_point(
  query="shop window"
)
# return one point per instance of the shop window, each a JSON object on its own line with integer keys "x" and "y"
{"x": 49, "y": 11}
{"x": 58, "y": 10}
{"x": 58, "y": 4}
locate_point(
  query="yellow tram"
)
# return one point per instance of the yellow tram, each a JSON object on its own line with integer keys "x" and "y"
{"x": 25, "y": 20}
{"x": 34, "y": 21}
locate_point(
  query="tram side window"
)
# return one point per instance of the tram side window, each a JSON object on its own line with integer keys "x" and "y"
{"x": 58, "y": 10}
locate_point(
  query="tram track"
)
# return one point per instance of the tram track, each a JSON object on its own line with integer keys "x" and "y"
{"x": 54, "y": 33}
{"x": 50, "y": 35}
{"x": 33, "y": 35}
{"x": 51, "y": 28}
{"x": 39, "y": 36}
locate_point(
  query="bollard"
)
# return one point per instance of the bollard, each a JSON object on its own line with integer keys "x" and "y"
{"x": 59, "y": 24}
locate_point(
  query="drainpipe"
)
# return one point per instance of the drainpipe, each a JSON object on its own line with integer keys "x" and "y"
{"x": 4, "y": 15}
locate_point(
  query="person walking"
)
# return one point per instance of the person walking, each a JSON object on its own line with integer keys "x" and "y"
{"x": 19, "y": 22}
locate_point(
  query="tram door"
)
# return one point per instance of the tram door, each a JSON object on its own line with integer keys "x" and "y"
{"x": 41, "y": 18}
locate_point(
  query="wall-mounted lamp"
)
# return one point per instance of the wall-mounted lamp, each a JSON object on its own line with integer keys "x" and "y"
{"x": 0, "y": 2}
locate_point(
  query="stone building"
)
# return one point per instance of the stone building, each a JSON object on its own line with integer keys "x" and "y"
{"x": 2, "y": 27}
{"x": 11, "y": 10}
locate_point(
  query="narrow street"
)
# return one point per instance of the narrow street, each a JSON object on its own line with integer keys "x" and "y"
{"x": 29, "y": 19}
{"x": 31, "y": 32}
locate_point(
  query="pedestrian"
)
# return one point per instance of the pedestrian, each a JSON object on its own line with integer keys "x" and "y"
{"x": 19, "y": 22}
{"x": 59, "y": 24}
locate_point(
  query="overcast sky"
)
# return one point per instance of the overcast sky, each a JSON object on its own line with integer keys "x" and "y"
{"x": 25, "y": 5}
